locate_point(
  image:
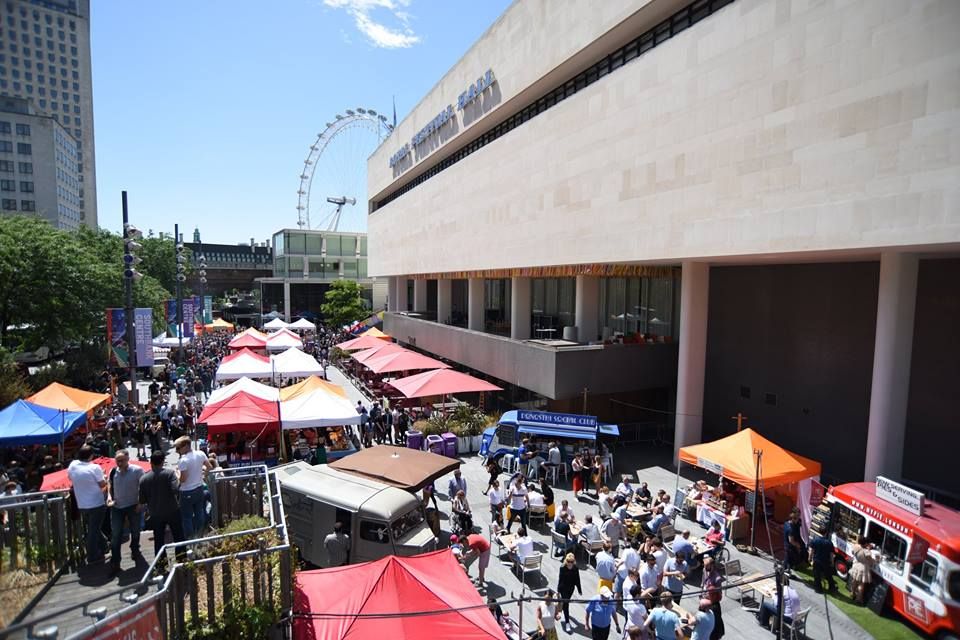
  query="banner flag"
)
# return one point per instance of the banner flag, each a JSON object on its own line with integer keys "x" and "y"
{"x": 188, "y": 317}
{"x": 207, "y": 309}
{"x": 143, "y": 328}
{"x": 117, "y": 337}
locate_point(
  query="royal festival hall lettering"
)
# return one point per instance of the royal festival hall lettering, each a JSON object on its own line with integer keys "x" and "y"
{"x": 900, "y": 495}
{"x": 465, "y": 99}
{"x": 561, "y": 419}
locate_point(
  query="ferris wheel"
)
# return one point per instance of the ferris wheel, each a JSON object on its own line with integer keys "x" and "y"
{"x": 333, "y": 183}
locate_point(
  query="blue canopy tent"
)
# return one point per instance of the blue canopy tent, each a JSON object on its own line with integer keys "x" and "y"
{"x": 25, "y": 423}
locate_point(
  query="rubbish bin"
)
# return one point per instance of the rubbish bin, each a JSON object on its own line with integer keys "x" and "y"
{"x": 449, "y": 445}
{"x": 435, "y": 445}
{"x": 414, "y": 440}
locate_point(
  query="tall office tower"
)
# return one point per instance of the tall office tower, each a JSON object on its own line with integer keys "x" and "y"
{"x": 45, "y": 59}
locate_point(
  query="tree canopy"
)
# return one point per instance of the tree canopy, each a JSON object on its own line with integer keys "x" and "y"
{"x": 58, "y": 284}
{"x": 343, "y": 303}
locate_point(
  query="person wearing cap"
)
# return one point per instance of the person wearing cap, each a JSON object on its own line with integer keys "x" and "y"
{"x": 664, "y": 621}
{"x": 191, "y": 467}
{"x": 601, "y": 610}
{"x": 702, "y": 623}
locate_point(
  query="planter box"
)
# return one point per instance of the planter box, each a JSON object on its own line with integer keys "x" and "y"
{"x": 475, "y": 442}
{"x": 463, "y": 444}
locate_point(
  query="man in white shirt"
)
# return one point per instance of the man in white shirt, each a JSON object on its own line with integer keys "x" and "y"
{"x": 625, "y": 489}
{"x": 523, "y": 546}
{"x": 517, "y": 493}
{"x": 564, "y": 512}
{"x": 650, "y": 578}
{"x": 191, "y": 468}
{"x": 791, "y": 605}
{"x": 590, "y": 532}
{"x": 535, "y": 498}
{"x": 89, "y": 487}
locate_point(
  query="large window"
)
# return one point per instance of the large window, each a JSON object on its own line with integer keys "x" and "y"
{"x": 278, "y": 245}
{"x": 348, "y": 246}
{"x": 333, "y": 245}
{"x": 893, "y": 547}
{"x": 296, "y": 243}
{"x": 496, "y": 305}
{"x": 314, "y": 244}
{"x": 638, "y": 305}
{"x": 554, "y": 305}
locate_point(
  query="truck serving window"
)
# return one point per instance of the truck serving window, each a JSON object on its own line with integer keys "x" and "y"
{"x": 925, "y": 573}
{"x": 374, "y": 532}
{"x": 848, "y": 524}
{"x": 403, "y": 525}
{"x": 893, "y": 548}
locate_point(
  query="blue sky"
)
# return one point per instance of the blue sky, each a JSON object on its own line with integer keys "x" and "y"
{"x": 205, "y": 110}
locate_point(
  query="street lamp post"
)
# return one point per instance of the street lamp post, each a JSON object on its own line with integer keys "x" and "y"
{"x": 202, "y": 264}
{"x": 130, "y": 275}
{"x": 181, "y": 277}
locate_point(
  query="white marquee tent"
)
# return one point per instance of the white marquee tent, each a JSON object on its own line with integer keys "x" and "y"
{"x": 303, "y": 325}
{"x": 252, "y": 387}
{"x": 318, "y": 408}
{"x": 244, "y": 364}
{"x": 294, "y": 363}
{"x": 275, "y": 324}
{"x": 282, "y": 340}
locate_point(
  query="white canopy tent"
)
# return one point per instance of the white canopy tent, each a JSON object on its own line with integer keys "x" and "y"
{"x": 282, "y": 340}
{"x": 252, "y": 387}
{"x": 303, "y": 325}
{"x": 317, "y": 409}
{"x": 294, "y": 363}
{"x": 275, "y": 324}
{"x": 163, "y": 340}
{"x": 245, "y": 364}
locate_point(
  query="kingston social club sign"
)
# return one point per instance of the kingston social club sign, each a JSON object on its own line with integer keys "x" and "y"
{"x": 432, "y": 128}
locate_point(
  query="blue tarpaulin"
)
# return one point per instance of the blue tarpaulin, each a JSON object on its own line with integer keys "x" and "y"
{"x": 25, "y": 423}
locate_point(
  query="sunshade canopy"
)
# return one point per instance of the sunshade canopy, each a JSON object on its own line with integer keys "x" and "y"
{"x": 246, "y": 363}
{"x": 402, "y": 361}
{"x": 294, "y": 363}
{"x": 244, "y": 384}
{"x": 733, "y": 458}
{"x": 240, "y": 412}
{"x": 60, "y": 396}
{"x": 303, "y": 325}
{"x": 25, "y": 423}
{"x": 373, "y": 352}
{"x": 251, "y": 338}
{"x": 431, "y": 581}
{"x": 408, "y": 469}
{"x": 276, "y": 323}
{"x": 60, "y": 479}
{"x": 309, "y": 385}
{"x": 363, "y": 342}
{"x": 373, "y": 332}
{"x": 219, "y": 324}
{"x": 440, "y": 382}
{"x": 283, "y": 339}
{"x": 318, "y": 408}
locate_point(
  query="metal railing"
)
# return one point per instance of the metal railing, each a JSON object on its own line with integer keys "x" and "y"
{"x": 208, "y": 579}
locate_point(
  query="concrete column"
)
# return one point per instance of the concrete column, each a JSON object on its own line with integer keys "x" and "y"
{"x": 444, "y": 300}
{"x": 286, "y": 300}
{"x": 392, "y": 293}
{"x": 402, "y": 293}
{"x": 420, "y": 295}
{"x": 891, "y": 366}
{"x": 694, "y": 296}
{"x": 521, "y": 307}
{"x": 587, "y": 309}
{"x": 475, "y": 293}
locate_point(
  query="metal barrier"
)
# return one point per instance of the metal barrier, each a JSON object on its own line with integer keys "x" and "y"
{"x": 210, "y": 579}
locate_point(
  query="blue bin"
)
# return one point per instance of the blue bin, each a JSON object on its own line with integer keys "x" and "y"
{"x": 435, "y": 445}
{"x": 449, "y": 445}
{"x": 414, "y": 440}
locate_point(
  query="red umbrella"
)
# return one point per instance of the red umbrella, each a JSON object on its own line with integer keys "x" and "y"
{"x": 363, "y": 342}
{"x": 59, "y": 479}
{"x": 373, "y": 352}
{"x": 402, "y": 361}
{"x": 440, "y": 382}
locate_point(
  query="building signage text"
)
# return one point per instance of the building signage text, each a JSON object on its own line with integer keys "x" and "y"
{"x": 557, "y": 419}
{"x": 900, "y": 495}
{"x": 466, "y": 98}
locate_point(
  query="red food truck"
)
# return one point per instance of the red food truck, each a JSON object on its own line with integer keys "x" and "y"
{"x": 919, "y": 545}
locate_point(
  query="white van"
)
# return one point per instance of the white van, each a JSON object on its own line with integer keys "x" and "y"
{"x": 380, "y": 519}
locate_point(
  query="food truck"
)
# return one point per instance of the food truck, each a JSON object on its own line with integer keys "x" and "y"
{"x": 566, "y": 428}
{"x": 380, "y": 519}
{"x": 919, "y": 545}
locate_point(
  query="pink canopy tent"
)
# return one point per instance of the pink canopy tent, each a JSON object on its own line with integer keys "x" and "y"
{"x": 363, "y": 342}
{"x": 366, "y": 354}
{"x": 402, "y": 361}
{"x": 440, "y": 382}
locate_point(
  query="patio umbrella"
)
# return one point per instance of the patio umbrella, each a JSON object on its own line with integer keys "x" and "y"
{"x": 403, "y": 361}
{"x": 60, "y": 480}
{"x": 382, "y": 350}
{"x": 363, "y": 342}
{"x": 440, "y": 382}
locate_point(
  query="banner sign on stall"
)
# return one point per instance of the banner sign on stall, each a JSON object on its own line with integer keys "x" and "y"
{"x": 712, "y": 467}
{"x": 143, "y": 330}
{"x": 142, "y": 623}
{"x": 900, "y": 495}
{"x": 117, "y": 337}
{"x": 188, "y": 317}
{"x": 557, "y": 419}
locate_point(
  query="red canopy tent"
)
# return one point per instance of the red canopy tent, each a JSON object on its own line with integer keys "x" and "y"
{"x": 241, "y": 412}
{"x": 428, "y": 582}
{"x": 440, "y": 382}
{"x": 242, "y": 352}
{"x": 402, "y": 361}
{"x": 60, "y": 480}
{"x": 251, "y": 339}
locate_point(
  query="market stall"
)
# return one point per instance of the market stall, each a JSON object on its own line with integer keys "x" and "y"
{"x": 275, "y": 324}
{"x": 249, "y": 339}
{"x": 244, "y": 363}
{"x": 218, "y": 324}
{"x": 363, "y": 342}
{"x": 303, "y": 325}
{"x": 26, "y": 423}
{"x": 244, "y": 384}
{"x": 310, "y": 384}
{"x": 327, "y": 413}
{"x": 60, "y": 396}
{"x": 294, "y": 363}
{"x": 282, "y": 340}
{"x": 242, "y": 428}
{"x": 755, "y": 465}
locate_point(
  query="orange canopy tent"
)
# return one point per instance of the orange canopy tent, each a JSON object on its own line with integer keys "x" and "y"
{"x": 60, "y": 396}
{"x": 733, "y": 458}
{"x": 373, "y": 332}
{"x": 219, "y": 324}
{"x": 310, "y": 385}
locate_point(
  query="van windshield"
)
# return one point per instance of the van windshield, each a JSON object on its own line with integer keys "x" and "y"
{"x": 406, "y": 523}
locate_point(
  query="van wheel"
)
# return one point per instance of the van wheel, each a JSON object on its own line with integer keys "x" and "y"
{"x": 842, "y": 567}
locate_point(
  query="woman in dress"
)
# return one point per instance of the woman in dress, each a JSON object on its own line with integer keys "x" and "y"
{"x": 861, "y": 573}
{"x": 576, "y": 465}
{"x": 598, "y": 467}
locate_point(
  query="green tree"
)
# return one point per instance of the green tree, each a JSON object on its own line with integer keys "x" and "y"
{"x": 343, "y": 303}
{"x": 13, "y": 385}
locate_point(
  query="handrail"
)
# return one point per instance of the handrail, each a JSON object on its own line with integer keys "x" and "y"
{"x": 148, "y": 578}
{"x": 60, "y": 493}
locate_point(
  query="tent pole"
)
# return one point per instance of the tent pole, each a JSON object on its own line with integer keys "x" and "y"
{"x": 62, "y": 425}
{"x": 756, "y": 496}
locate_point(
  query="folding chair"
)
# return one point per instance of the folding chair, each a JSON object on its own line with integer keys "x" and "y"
{"x": 529, "y": 564}
{"x": 592, "y": 548}
{"x": 797, "y": 629}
